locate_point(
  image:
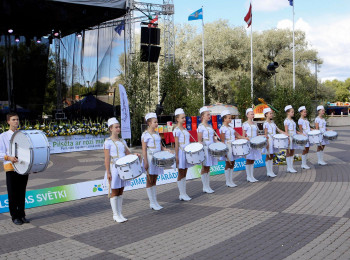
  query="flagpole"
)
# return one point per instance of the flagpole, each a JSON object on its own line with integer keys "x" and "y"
{"x": 293, "y": 52}
{"x": 203, "y": 57}
{"x": 251, "y": 58}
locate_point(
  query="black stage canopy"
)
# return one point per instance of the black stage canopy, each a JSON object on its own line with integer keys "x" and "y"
{"x": 37, "y": 18}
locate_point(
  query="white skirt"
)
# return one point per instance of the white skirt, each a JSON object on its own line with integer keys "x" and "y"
{"x": 152, "y": 168}
{"x": 116, "y": 182}
{"x": 324, "y": 142}
{"x": 254, "y": 154}
{"x": 230, "y": 155}
{"x": 183, "y": 164}
{"x": 292, "y": 146}
{"x": 270, "y": 149}
{"x": 208, "y": 159}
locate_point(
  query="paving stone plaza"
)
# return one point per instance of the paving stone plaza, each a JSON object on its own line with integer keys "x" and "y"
{"x": 304, "y": 215}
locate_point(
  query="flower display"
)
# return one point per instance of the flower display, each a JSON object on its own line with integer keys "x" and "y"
{"x": 66, "y": 128}
{"x": 280, "y": 157}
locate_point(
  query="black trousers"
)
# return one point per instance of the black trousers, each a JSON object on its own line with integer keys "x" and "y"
{"x": 16, "y": 189}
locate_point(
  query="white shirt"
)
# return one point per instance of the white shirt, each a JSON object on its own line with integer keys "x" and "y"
{"x": 153, "y": 141}
{"x": 183, "y": 135}
{"x": 251, "y": 130}
{"x": 271, "y": 128}
{"x": 291, "y": 126}
{"x": 321, "y": 124}
{"x": 5, "y": 145}
{"x": 116, "y": 148}
{"x": 305, "y": 124}
{"x": 229, "y": 133}
{"x": 207, "y": 134}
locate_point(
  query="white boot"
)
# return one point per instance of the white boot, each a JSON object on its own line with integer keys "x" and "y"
{"x": 155, "y": 197}
{"x": 231, "y": 178}
{"x": 208, "y": 183}
{"x": 120, "y": 205}
{"x": 228, "y": 178}
{"x": 322, "y": 154}
{"x": 291, "y": 164}
{"x": 114, "y": 206}
{"x": 304, "y": 162}
{"x": 252, "y": 173}
{"x": 269, "y": 166}
{"x": 204, "y": 182}
{"x": 320, "y": 159}
{"x": 152, "y": 205}
{"x": 289, "y": 161}
{"x": 247, "y": 169}
{"x": 182, "y": 189}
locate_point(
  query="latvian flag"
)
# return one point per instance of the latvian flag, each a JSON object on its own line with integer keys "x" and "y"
{"x": 248, "y": 17}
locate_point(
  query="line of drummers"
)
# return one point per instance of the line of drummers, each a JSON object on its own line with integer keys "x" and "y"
{"x": 123, "y": 166}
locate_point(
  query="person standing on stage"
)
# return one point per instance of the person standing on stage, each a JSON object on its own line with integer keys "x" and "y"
{"x": 227, "y": 136}
{"x": 304, "y": 125}
{"x": 115, "y": 148}
{"x": 206, "y": 137}
{"x": 182, "y": 138}
{"x": 16, "y": 183}
{"x": 251, "y": 130}
{"x": 152, "y": 143}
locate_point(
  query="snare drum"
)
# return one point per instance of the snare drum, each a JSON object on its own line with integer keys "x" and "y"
{"x": 280, "y": 141}
{"x": 258, "y": 142}
{"x": 315, "y": 137}
{"x": 194, "y": 153}
{"x": 218, "y": 150}
{"x": 164, "y": 160}
{"x": 240, "y": 147}
{"x": 32, "y": 149}
{"x": 330, "y": 135}
{"x": 128, "y": 167}
{"x": 300, "y": 140}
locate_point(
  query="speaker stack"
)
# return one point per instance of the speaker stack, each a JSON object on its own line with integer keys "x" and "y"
{"x": 150, "y": 41}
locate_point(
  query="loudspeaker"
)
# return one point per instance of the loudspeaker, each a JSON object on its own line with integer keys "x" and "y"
{"x": 153, "y": 52}
{"x": 155, "y": 35}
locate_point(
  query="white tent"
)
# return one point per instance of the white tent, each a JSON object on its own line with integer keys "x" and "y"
{"x": 216, "y": 109}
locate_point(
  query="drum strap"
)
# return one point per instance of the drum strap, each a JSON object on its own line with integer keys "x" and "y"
{"x": 154, "y": 141}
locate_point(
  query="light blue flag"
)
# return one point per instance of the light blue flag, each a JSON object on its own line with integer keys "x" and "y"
{"x": 196, "y": 15}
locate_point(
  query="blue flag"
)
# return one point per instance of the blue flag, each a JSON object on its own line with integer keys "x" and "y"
{"x": 120, "y": 27}
{"x": 291, "y": 2}
{"x": 196, "y": 15}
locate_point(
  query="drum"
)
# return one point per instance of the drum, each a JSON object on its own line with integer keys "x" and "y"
{"x": 258, "y": 142}
{"x": 194, "y": 153}
{"x": 240, "y": 147}
{"x": 218, "y": 150}
{"x": 330, "y": 135}
{"x": 128, "y": 167}
{"x": 164, "y": 159}
{"x": 32, "y": 150}
{"x": 280, "y": 141}
{"x": 300, "y": 140}
{"x": 315, "y": 137}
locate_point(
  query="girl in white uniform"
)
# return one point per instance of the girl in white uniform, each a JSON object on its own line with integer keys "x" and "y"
{"x": 304, "y": 125}
{"x": 270, "y": 130}
{"x": 290, "y": 129}
{"x": 206, "y": 137}
{"x": 251, "y": 130}
{"x": 182, "y": 138}
{"x": 151, "y": 143}
{"x": 227, "y": 136}
{"x": 115, "y": 148}
{"x": 321, "y": 124}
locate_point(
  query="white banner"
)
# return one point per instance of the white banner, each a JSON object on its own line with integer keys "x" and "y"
{"x": 76, "y": 143}
{"x": 125, "y": 113}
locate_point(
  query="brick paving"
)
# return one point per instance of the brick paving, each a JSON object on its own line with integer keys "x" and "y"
{"x": 293, "y": 216}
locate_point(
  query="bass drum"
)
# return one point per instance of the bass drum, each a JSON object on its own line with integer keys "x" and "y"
{"x": 32, "y": 149}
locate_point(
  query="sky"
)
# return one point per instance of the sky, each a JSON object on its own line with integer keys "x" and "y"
{"x": 326, "y": 24}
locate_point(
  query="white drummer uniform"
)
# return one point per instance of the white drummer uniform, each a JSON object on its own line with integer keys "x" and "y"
{"x": 271, "y": 131}
{"x": 306, "y": 128}
{"x": 153, "y": 142}
{"x": 229, "y": 138}
{"x": 291, "y": 131}
{"x": 116, "y": 151}
{"x": 322, "y": 125}
{"x": 252, "y": 131}
{"x": 184, "y": 139}
{"x": 208, "y": 138}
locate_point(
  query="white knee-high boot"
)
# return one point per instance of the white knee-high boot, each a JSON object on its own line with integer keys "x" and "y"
{"x": 182, "y": 189}
{"x": 269, "y": 166}
{"x": 228, "y": 177}
{"x": 290, "y": 160}
{"x": 204, "y": 182}
{"x": 304, "y": 162}
{"x": 152, "y": 205}
{"x": 252, "y": 173}
{"x": 247, "y": 169}
{"x": 120, "y": 206}
{"x": 154, "y": 191}
{"x": 115, "y": 210}
{"x": 323, "y": 162}
{"x": 208, "y": 183}
{"x": 231, "y": 178}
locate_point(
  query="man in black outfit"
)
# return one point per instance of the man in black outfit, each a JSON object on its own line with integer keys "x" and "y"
{"x": 16, "y": 183}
